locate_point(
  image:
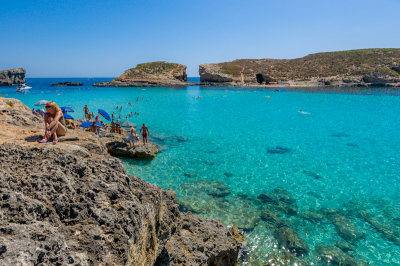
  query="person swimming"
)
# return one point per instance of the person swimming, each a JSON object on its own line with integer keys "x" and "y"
{"x": 304, "y": 113}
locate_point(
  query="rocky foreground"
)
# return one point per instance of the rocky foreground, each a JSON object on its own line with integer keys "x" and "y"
{"x": 13, "y": 76}
{"x": 154, "y": 74}
{"x": 72, "y": 203}
{"x": 364, "y": 67}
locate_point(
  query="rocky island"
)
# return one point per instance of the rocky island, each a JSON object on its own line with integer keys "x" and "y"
{"x": 154, "y": 74}
{"x": 363, "y": 67}
{"x": 67, "y": 83}
{"x": 13, "y": 76}
{"x": 73, "y": 203}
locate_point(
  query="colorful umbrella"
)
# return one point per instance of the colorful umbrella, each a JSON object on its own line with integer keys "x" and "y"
{"x": 66, "y": 109}
{"x": 104, "y": 114}
{"x": 88, "y": 124}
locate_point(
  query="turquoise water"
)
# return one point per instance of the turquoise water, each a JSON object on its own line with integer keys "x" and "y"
{"x": 343, "y": 155}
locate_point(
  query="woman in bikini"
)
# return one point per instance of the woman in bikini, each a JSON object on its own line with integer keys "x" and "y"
{"x": 54, "y": 123}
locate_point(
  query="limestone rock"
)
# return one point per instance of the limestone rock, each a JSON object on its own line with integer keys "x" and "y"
{"x": 361, "y": 67}
{"x": 13, "y": 76}
{"x": 154, "y": 74}
{"x": 122, "y": 149}
{"x": 72, "y": 203}
{"x": 67, "y": 83}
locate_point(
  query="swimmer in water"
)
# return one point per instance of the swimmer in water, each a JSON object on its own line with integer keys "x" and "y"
{"x": 304, "y": 113}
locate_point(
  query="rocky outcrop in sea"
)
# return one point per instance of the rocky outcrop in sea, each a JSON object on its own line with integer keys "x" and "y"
{"x": 154, "y": 74}
{"x": 13, "y": 76}
{"x": 364, "y": 67}
{"x": 67, "y": 83}
{"x": 73, "y": 203}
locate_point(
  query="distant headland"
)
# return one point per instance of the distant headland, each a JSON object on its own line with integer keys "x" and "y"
{"x": 362, "y": 67}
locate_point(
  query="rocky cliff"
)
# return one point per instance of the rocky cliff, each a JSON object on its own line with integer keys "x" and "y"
{"x": 345, "y": 68}
{"x": 12, "y": 77}
{"x": 154, "y": 74}
{"x": 72, "y": 203}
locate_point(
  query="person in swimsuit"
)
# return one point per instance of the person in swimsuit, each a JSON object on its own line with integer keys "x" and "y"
{"x": 54, "y": 123}
{"x": 132, "y": 137}
{"x": 86, "y": 109}
{"x": 145, "y": 133}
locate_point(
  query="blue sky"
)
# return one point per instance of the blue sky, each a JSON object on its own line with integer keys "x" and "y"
{"x": 68, "y": 38}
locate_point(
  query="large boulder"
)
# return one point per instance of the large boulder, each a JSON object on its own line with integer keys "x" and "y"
{"x": 13, "y": 76}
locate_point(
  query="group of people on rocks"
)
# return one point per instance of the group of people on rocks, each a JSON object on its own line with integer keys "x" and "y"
{"x": 56, "y": 125}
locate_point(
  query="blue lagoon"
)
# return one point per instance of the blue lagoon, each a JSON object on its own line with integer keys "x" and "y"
{"x": 248, "y": 157}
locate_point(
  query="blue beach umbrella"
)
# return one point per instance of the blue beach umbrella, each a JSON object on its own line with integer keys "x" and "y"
{"x": 88, "y": 124}
{"x": 41, "y": 102}
{"x": 66, "y": 109}
{"x": 67, "y": 116}
{"x": 104, "y": 114}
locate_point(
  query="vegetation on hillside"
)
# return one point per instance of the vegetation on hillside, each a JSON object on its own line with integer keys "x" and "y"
{"x": 154, "y": 69}
{"x": 342, "y": 63}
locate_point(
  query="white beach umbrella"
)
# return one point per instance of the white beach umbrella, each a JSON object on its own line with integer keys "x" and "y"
{"x": 41, "y": 102}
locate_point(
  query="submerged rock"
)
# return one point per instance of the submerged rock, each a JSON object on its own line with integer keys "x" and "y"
{"x": 287, "y": 238}
{"x": 346, "y": 228}
{"x": 228, "y": 174}
{"x": 213, "y": 188}
{"x": 190, "y": 174}
{"x": 279, "y": 199}
{"x": 391, "y": 233}
{"x": 344, "y": 246}
{"x": 272, "y": 219}
{"x": 313, "y": 174}
{"x": 278, "y": 150}
{"x": 283, "y": 258}
{"x": 312, "y": 216}
{"x": 341, "y": 135}
{"x": 331, "y": 255}
{"x": 231, "y": 211}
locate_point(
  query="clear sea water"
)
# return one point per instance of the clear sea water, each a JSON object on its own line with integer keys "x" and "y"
{"x": 344, "y": 154}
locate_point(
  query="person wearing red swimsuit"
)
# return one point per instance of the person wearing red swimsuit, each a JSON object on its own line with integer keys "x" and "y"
{"x": 145, "y": 133}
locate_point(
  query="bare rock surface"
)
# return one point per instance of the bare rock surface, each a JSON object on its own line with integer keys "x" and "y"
{"x": 12, "y": 77}
{"x": 153, "y": 74}
{"x": 72, "y": 203}
{"x": 117, "y": 146}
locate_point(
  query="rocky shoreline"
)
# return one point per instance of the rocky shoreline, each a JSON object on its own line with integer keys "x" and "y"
{"x": 13, "y": 76}
{"x": 72, "y": 203}
{"x": 353, "y": 68}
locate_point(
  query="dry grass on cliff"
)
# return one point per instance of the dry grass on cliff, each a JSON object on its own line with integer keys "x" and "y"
{"x": 343, "y": 63}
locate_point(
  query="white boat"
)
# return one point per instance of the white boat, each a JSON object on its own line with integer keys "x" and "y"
{"x": 23, "y": 87}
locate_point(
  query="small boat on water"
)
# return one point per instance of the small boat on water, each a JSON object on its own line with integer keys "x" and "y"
{"x": 22, "y": 88}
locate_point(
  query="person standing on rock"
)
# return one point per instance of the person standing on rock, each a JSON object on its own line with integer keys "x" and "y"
{"x": 145, "y": 133}
{"x": 132, "y": 137}
{"x": 54, "y": 123}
